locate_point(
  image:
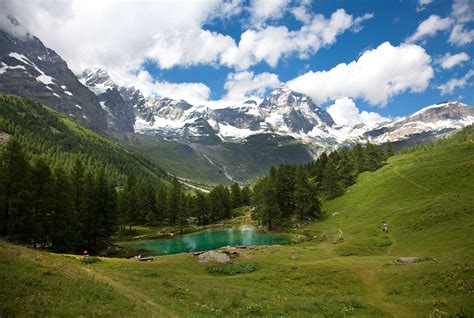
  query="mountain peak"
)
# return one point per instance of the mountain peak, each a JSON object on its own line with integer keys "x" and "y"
{"x": 282, "y": 89}
{"x": 447, "y": 107}
{"x": 98, "y": 80}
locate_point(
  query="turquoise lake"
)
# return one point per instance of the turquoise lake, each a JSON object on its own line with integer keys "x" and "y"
{"x": 211, "y": 239}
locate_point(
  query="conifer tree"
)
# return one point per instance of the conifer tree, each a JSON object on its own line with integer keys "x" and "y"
{"x": 15, "y": 191}
{"x": 236, "y": 195}
{"x": 64, "y": 226}
{"x": 161, "y": 204}
{"x": 246, "y": 196}
{"x": 43, "y": 201}
{"x": 330, "y": 182}
{"x": 305, "y": 196}
{"x": 174, "y": 200}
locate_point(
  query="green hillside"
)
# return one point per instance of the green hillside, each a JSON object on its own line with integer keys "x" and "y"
{"x": 60, "y": 140}
{"x": 347, "y": 266}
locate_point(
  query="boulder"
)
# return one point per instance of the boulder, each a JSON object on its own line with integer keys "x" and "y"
{"x": 409, "y": 260}
{"x": 213, "y": 256}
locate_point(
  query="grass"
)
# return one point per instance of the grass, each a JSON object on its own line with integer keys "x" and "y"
{"x": 427, "y": 197}
{"x": 232, "y": 268}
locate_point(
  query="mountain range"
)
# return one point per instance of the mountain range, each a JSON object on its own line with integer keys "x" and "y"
{"x": 283, "y": 112}
{"x": 228, "y": 142}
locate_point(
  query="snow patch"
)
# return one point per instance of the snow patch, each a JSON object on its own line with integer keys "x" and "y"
{"x": 45, "y": 79}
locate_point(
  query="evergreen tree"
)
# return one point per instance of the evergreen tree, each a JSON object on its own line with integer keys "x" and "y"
{"x": 161, "y": 204}
{"x": 305, "y": 196}
{"x": 15, "y": 192}
{"x": 246, "y": 196}
{"x": 330, "y": 182}
{"x": 236, "y": 195}
{"x": 183, "y": 211}
{"x": 389, "y": 149}
{"x": 174, "y": 199}
{"x": 270, "y": 211}
{"x": 105, "y": 218}
{"x": 43, "y": 202}
{"x": 64, "y": 232}
{"x": 87, "y": 218}
{"x": 285, "y": 186}
{"x": 360, "y": 158}
{"x": 375, "y": 156}
{"x": 201, "y": 208}
{"x": 131, "y": 201}
{"x": 346, "y": 168}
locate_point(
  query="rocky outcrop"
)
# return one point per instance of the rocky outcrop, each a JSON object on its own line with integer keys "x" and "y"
{"x": 213, "y": 256}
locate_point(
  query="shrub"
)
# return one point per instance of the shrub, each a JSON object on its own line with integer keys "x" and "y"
{"x": 232, "y": 268}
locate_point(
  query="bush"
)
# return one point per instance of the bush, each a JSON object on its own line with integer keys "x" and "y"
{"x": 90, "y": 260}
{"x": 232, "y": 268}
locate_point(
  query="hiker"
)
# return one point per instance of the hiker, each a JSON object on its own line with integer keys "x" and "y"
{"x": 85, "y": 253}
{"x": 384, "y": 226}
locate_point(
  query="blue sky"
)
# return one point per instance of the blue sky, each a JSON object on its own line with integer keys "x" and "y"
{"x": 399, "y": 55}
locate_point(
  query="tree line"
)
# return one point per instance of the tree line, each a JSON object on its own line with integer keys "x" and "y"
{"x": 139, "y": 203}
{"x": 69, "y": 209}
{"x": 292, "y": 191}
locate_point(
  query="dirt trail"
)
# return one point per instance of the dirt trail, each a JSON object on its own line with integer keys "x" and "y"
{"x": 131, "y": 294}
{"x": 401, "y": 175}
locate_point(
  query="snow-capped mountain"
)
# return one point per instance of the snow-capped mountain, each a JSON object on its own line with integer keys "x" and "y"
{"x": 30, "y": 69}
{"x": 430, "y": 121}
{"x": 120, "y": 115}
{"x": 283, "y": 112}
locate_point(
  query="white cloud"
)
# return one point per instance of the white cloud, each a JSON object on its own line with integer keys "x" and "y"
{"x": 245, "y": 84}
{"x": 430, "y": 27}
{"x": 459, "y": 36}
{"x": 449, "y": 61}
{"x": 271, "y": 43}
{"x": 463, "y": 11}
{"x": 263, "y": 10}
{"x": 301, "y": 13}
{"x": 345, "y": 112}
{"x": 109, "y": 33}
{"x": 422, "y": 4}
{"x": 357, "y": 27}
{"x": 376, "y": 76}
{"x": 185, "y": 47}
{"x": 454, "y": 83}
{"x": 194, "y": 93}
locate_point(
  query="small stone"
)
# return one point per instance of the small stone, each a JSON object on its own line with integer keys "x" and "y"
{"x": 213, "y": 256}
{"x": 409, "y": 259}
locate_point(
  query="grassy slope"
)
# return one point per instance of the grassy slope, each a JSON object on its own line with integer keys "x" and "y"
{"x": 427, "y": 197}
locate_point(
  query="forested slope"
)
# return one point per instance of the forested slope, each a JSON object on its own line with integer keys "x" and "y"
{"x": 60, "y": 141}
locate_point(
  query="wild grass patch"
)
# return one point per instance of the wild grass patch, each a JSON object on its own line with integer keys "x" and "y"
{"x": 232, "y": 268}
{"x": 90, "y": 260}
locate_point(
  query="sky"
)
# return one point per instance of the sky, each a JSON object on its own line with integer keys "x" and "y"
{"x": 363, "y": 60}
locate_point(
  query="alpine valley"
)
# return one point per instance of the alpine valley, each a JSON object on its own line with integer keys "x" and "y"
{"x": 207, "y": 144}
